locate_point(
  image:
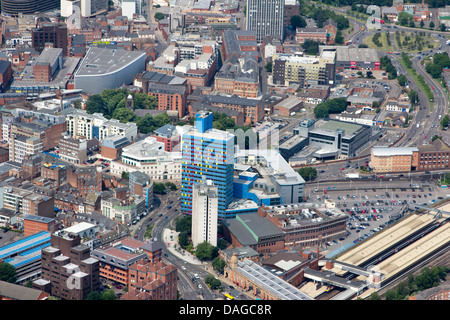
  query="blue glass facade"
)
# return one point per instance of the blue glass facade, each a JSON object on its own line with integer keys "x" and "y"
{"x": 207, "y": 156}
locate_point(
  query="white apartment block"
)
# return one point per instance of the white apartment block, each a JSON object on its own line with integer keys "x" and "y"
{"x": 205, "y": 204}
{"x": 149, "y": 157}
{"x": 81, "y": 124}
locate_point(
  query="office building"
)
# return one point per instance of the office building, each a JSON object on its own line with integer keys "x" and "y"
{"x": 266, "y": 178}
{"x": 433, "y": 156}
{"x": 265, "y": 17}
{"x": 204, "y": 213}
{"x": 169, "y": 97}
{"x": 27, "y": 202}
{"x": 53, "y": 33}
{"x": 123, "y": 211}
{"x": 141, "y": 185}
{"x": 339, "y": 139}
{"x": 149, "y": 157}
{"x": 33, "y": 224}
{"x": 112, "y": 146}
{"x": 325, "y": 35}
{"x": 68, "y": 270}
{"x": 238, "y": 76}
{"x": 93, "y": 7}
{"x": 21, "y": 146}
{"x": 72, "y": 150}
{"x": 5, "y": 75}
{"x": 207, "y": 154}
{"x": 117, "y": 258}
{"x": 150, "y": 280}
{"x": 241, "y": 41}
{"x": 304, "y": 70}
{"x": 398, "y": 159}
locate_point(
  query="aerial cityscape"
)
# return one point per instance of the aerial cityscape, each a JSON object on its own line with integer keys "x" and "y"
{"x": 243, "y": 151}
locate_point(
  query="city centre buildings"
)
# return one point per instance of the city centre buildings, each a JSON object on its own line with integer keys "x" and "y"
{"x": 208, "y": 154}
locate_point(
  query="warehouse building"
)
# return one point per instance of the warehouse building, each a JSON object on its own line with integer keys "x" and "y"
{"x": 357, "y": 58}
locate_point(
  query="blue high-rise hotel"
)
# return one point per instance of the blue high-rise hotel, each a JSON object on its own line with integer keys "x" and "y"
{"x": 208, "y": 154}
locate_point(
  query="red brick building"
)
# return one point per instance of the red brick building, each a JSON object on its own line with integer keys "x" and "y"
{"x": 157, "y": 279}
{"x": 325, "y": 35}
{"x": 33, "y": 224}
{"x": 169, "y": 97}
{"x": 434, "y": 156}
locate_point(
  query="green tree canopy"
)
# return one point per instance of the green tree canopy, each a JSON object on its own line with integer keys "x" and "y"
{"x": 159, "y": 16}
{"x": 94, "y": 295}
{"x": 307, "y": 173}
{"x": 159, "y": 188}
{"x": 331, "y": 106}
{"x": 218, "y": 264}
{"x": 298, "y": 22}
{"x": 402, "y": 80}
{"x": 108, "y": 295}
{"x": 7, "y": 272}
{"x": 206, "y": 251}
{"x": 212, "y": 282}
{"x": 184, "y": 224}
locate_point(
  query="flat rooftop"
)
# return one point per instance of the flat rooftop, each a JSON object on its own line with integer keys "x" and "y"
{"x": 357, "y": 54}
{"x": 102, "y": 60}
{"x": 333, "y": 125}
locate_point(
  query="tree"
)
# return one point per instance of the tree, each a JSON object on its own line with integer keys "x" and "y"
{"x": 298, "y": 22}
{"x": 96, "y": 104}
{"x": 402, "y": 80}
{"x": 374, "y": 296}
{"x": 445, "y": 121}
{"x": 7, "y": 272}
{"x": 183, "y": 239}
{"x": 339, "y": 39}
{"x": 307, "y": 173}
{"x": 442, "y": 27}
{"x": 212, "y": 282}
{"x": 206, "y": 251}
{"x": 159, "y": 188}
{"x": 171, "y": 186}
{"x": 268, "y": 66}
{"x": 77, "y": 104}
{"x": 434, "y": 70}
{"x": 94, "y": 295}
{"x": 218, "y": 264}
{"x": 413, "y": 97}
{"x": 125, "y": 175}
{"x": 311, "y": 47}
{"x": 431, "y": 25}
{"x": 184, "y": 224}
{"x": 321, "y": 111}
{"x": 405, "y": 18}
{"x": 108, "y": 295}
{"x": 124, "y": 115}
{"x": 422, "y": 23}
{"x": 159, "y": 16}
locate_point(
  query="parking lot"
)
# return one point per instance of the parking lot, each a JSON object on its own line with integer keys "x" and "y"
{"x": 370, "y": 210}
